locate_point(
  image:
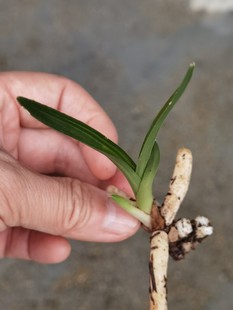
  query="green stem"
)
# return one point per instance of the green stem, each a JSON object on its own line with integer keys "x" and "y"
{"x": 130, "y": 207}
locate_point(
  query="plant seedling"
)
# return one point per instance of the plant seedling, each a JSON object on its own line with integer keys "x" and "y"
{"x": 167, "y": 235}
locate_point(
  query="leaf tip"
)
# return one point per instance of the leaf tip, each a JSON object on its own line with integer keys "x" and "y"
{"x": 22, "y": 100}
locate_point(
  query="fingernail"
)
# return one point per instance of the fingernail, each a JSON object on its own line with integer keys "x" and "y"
{"x": 117, "y": 220}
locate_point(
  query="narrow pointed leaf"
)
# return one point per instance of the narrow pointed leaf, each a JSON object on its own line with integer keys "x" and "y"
{"x": 158, "y": 121}
{"x": 85, "y": 134}
{"x": 145, "y": 192}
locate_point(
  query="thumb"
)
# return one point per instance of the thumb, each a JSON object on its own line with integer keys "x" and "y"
{"x": 59, "y": 206}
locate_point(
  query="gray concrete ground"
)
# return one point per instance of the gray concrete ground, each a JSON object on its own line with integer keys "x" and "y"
{"x": 130, "y": 55}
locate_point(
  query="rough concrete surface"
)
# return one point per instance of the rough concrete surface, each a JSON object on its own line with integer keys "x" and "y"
{"x": 130, "y": 55}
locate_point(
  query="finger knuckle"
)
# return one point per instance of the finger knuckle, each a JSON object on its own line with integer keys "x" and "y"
{"x": 77, "y": 211}
{"x": 9, "y": 183}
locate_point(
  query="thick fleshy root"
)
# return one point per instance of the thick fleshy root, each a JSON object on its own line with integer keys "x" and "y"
{"x": 170, "y": 236}
{"x": 178, "y": 186}
{"x": 158, "y": 270}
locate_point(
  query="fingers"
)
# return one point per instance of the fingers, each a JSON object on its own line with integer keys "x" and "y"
{"x": 66, "y": 96}
{"x": 50, "y": 152}
{"x": 60, "y": 206}
{"x": 32, "y": 245}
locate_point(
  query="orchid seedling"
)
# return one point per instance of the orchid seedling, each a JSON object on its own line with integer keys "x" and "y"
{"x": 168, "y": 236}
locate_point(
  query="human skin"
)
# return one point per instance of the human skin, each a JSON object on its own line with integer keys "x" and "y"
{"x": 52, "y": 187}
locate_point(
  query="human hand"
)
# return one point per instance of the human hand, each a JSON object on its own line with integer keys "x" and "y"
{"x": 37, "y": 211}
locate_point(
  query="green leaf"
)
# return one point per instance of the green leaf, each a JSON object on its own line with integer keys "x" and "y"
{"x": 85, "y": 134}
{"x": 158, "y": 121}
{"x": 145, "y": 193}
{"x": 130, "y": 207}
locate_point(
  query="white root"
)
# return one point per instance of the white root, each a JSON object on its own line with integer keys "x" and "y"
{"x": 203, "y": 227}
{"x": 184, "y": 227}
{"x": 183, "y": 235}
{"x": 159, "y": 255}
{"x": 178, "y": 186}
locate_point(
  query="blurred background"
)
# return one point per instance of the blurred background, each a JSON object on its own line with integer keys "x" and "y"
{"x": 130, "y": 55}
